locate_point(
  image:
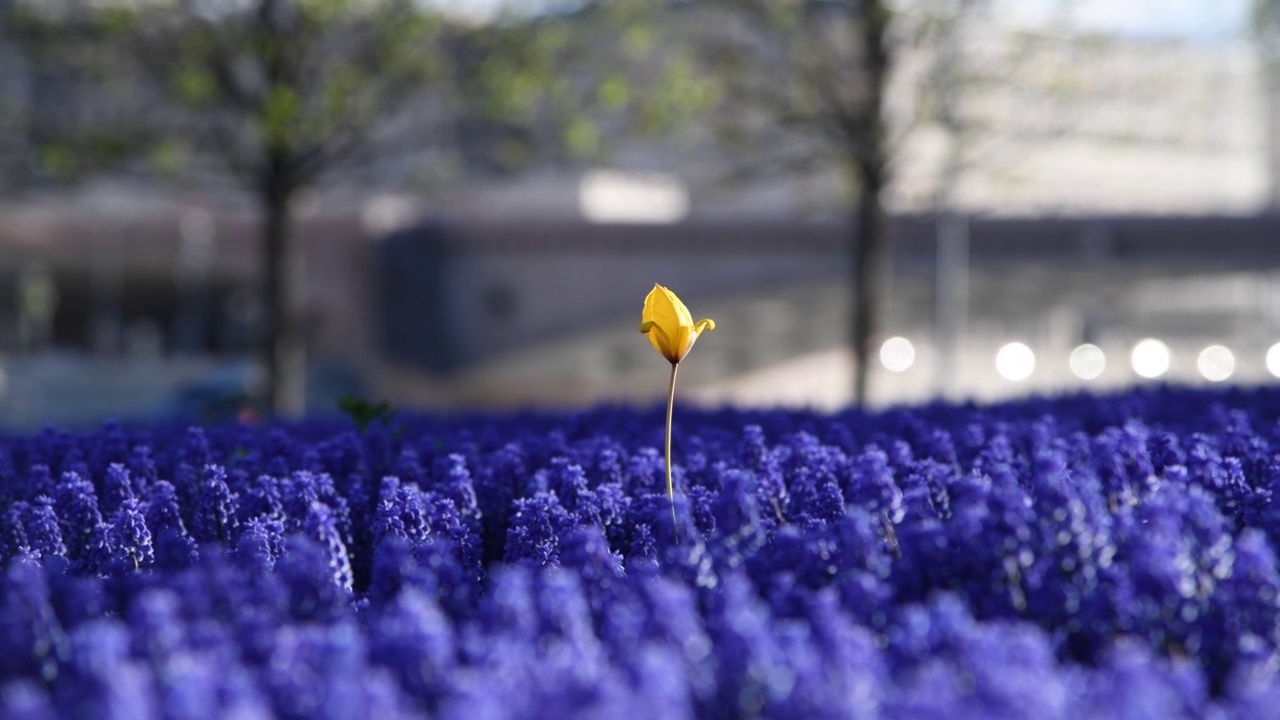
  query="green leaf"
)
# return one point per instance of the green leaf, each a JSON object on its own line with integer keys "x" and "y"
{"x": 582, "y": 136}
{"x": 364, "y": 413}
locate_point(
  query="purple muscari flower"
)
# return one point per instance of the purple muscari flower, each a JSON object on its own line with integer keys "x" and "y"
{"x": 508, "y": 610}
{"x": 394, "y": 567}
{"x": 261, "y": 543}
{"x": 938, "y": 447}
{"x": 129, "y": 538}
{"x": 342, "y": 455}
{"x": 752, "y": 677}
{"x": 999, "y": 460}
{"x": 338, "y": 506}
{"x": 852, "y": 676}
{"x": 279, "y": 451}
{"x": 43, "y": 531}
{"x": 587, "y": 551}
{"x": 413, "y": 639}
{"x": 1153, "y": 688}
{"x": 402, "y": 512}
{"x": 672, "y": 619}
{"x": 1238, "y": 438}
{"x": 1164, "y": 451}
{"x": 321, "y": 528}
{"x": 142, "y": 468}
{"x": 101, "y": 676}
{"x": 1203, "y": 460}
{"x": 11, "y": 483}
{"x": 738, "y": 528}
{"x": 869, "y": 484}
{"x": 389, "y": 521}
{"x": 39, "y": 481}
{"x": 262, "y": 498}
{"x": 162, "y": 511}
{"x": 536, "y": 529}
{"x": 770, "y": 485}
{"x": 174, "y": 549}
{"x": 116, "y": 488}
{"x": 452, "y": 479}
{"x": 78, "y": 515}
{"x": 32, "y": 641}
{"x": 157, "y": 629}
{"x": 813, "y": 471}
{"x": 214, "y": 518}
{"x": 42, "y": 448}
{"x": 699, "y": 500}
{"x": 378, "y": 451}
{"x": 606, "y": 506}
{"x": 73, "y": 462}
{"x": 313, "y": 587}
{"x": 938, "y": 478}
{"x": 642, "y": 556}
{"x": 609, "y": 466}
{"x": 646, "y": 471}
{"x": 827, "y": 501}
{"x": 497, "y": 483}
{"x": 566, "y": 480}
{"x": 110, "y": 446}
{"x": 13, "y": 533}
{"x": 446, "y": 522}
{"x": 565, "y": 615}
{"x": 1122, "y": 465}
{"x": 195, "y": 452}
{"x": 316, "y": 672}
{"x": 299, "y": 492}
{"x": 1233, "y": 494}
{"x": 99, "y": 554}
{"x": 24, "y": 699}
{"x": 954, "y": 665}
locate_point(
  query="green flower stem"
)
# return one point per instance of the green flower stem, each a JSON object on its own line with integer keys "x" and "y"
{"x": 671, "y": 493}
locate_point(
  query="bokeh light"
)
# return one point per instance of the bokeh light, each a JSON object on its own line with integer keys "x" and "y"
{"x": 1216, "y": 363}
{"x": 1150, "y": 358}
{"x": 1088, "y": 361}
{"x": 1015, "y": 361}
{"x": 1273, "y": 359}
{"x": 897, "y": 354}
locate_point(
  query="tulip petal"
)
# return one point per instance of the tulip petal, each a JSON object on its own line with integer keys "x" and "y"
{"x": 684, "y": 341}
{"x": 689, "y": 336}
{"x": 668, "y": 325}
{"x": 659, "y": 339}
{"x": 682, "y": 312}
{"x": 664, "y": 308}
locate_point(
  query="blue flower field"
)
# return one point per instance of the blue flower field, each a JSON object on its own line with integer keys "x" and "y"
{"x": 1081, "y": 557}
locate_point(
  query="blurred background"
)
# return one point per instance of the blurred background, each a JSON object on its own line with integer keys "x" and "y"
{"x": 213, "y": 209}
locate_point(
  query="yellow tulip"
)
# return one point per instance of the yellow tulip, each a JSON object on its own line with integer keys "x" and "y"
{"x": 672, "y": 332}
{"x": 669, "y": 326}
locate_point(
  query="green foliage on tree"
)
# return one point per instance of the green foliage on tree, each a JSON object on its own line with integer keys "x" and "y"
{"x": 801, "y": 87}
{"x": 279, "y": 94}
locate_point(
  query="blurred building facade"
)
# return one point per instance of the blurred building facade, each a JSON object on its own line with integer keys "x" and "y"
{"x": 1047, "y": 123}
{"x": 526, "y": 289}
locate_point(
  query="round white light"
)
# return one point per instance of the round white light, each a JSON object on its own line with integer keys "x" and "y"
{"x": 1088, "y": 361}
{"x": 1150, "y": 358}
{"x": 1273, "y": 360}
{"x": 897, "y": 354}
{"x": 1015, "y": 361}
{"x": 1216, "y": 363}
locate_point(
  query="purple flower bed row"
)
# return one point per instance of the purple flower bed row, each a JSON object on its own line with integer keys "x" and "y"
{"x": 1100, "y": 557}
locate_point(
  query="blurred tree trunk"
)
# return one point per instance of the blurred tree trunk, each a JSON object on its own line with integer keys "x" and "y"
{"x": 871, "y": 242}
{"x": 869, "y": 237}
{"x": 282, "y": 339}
